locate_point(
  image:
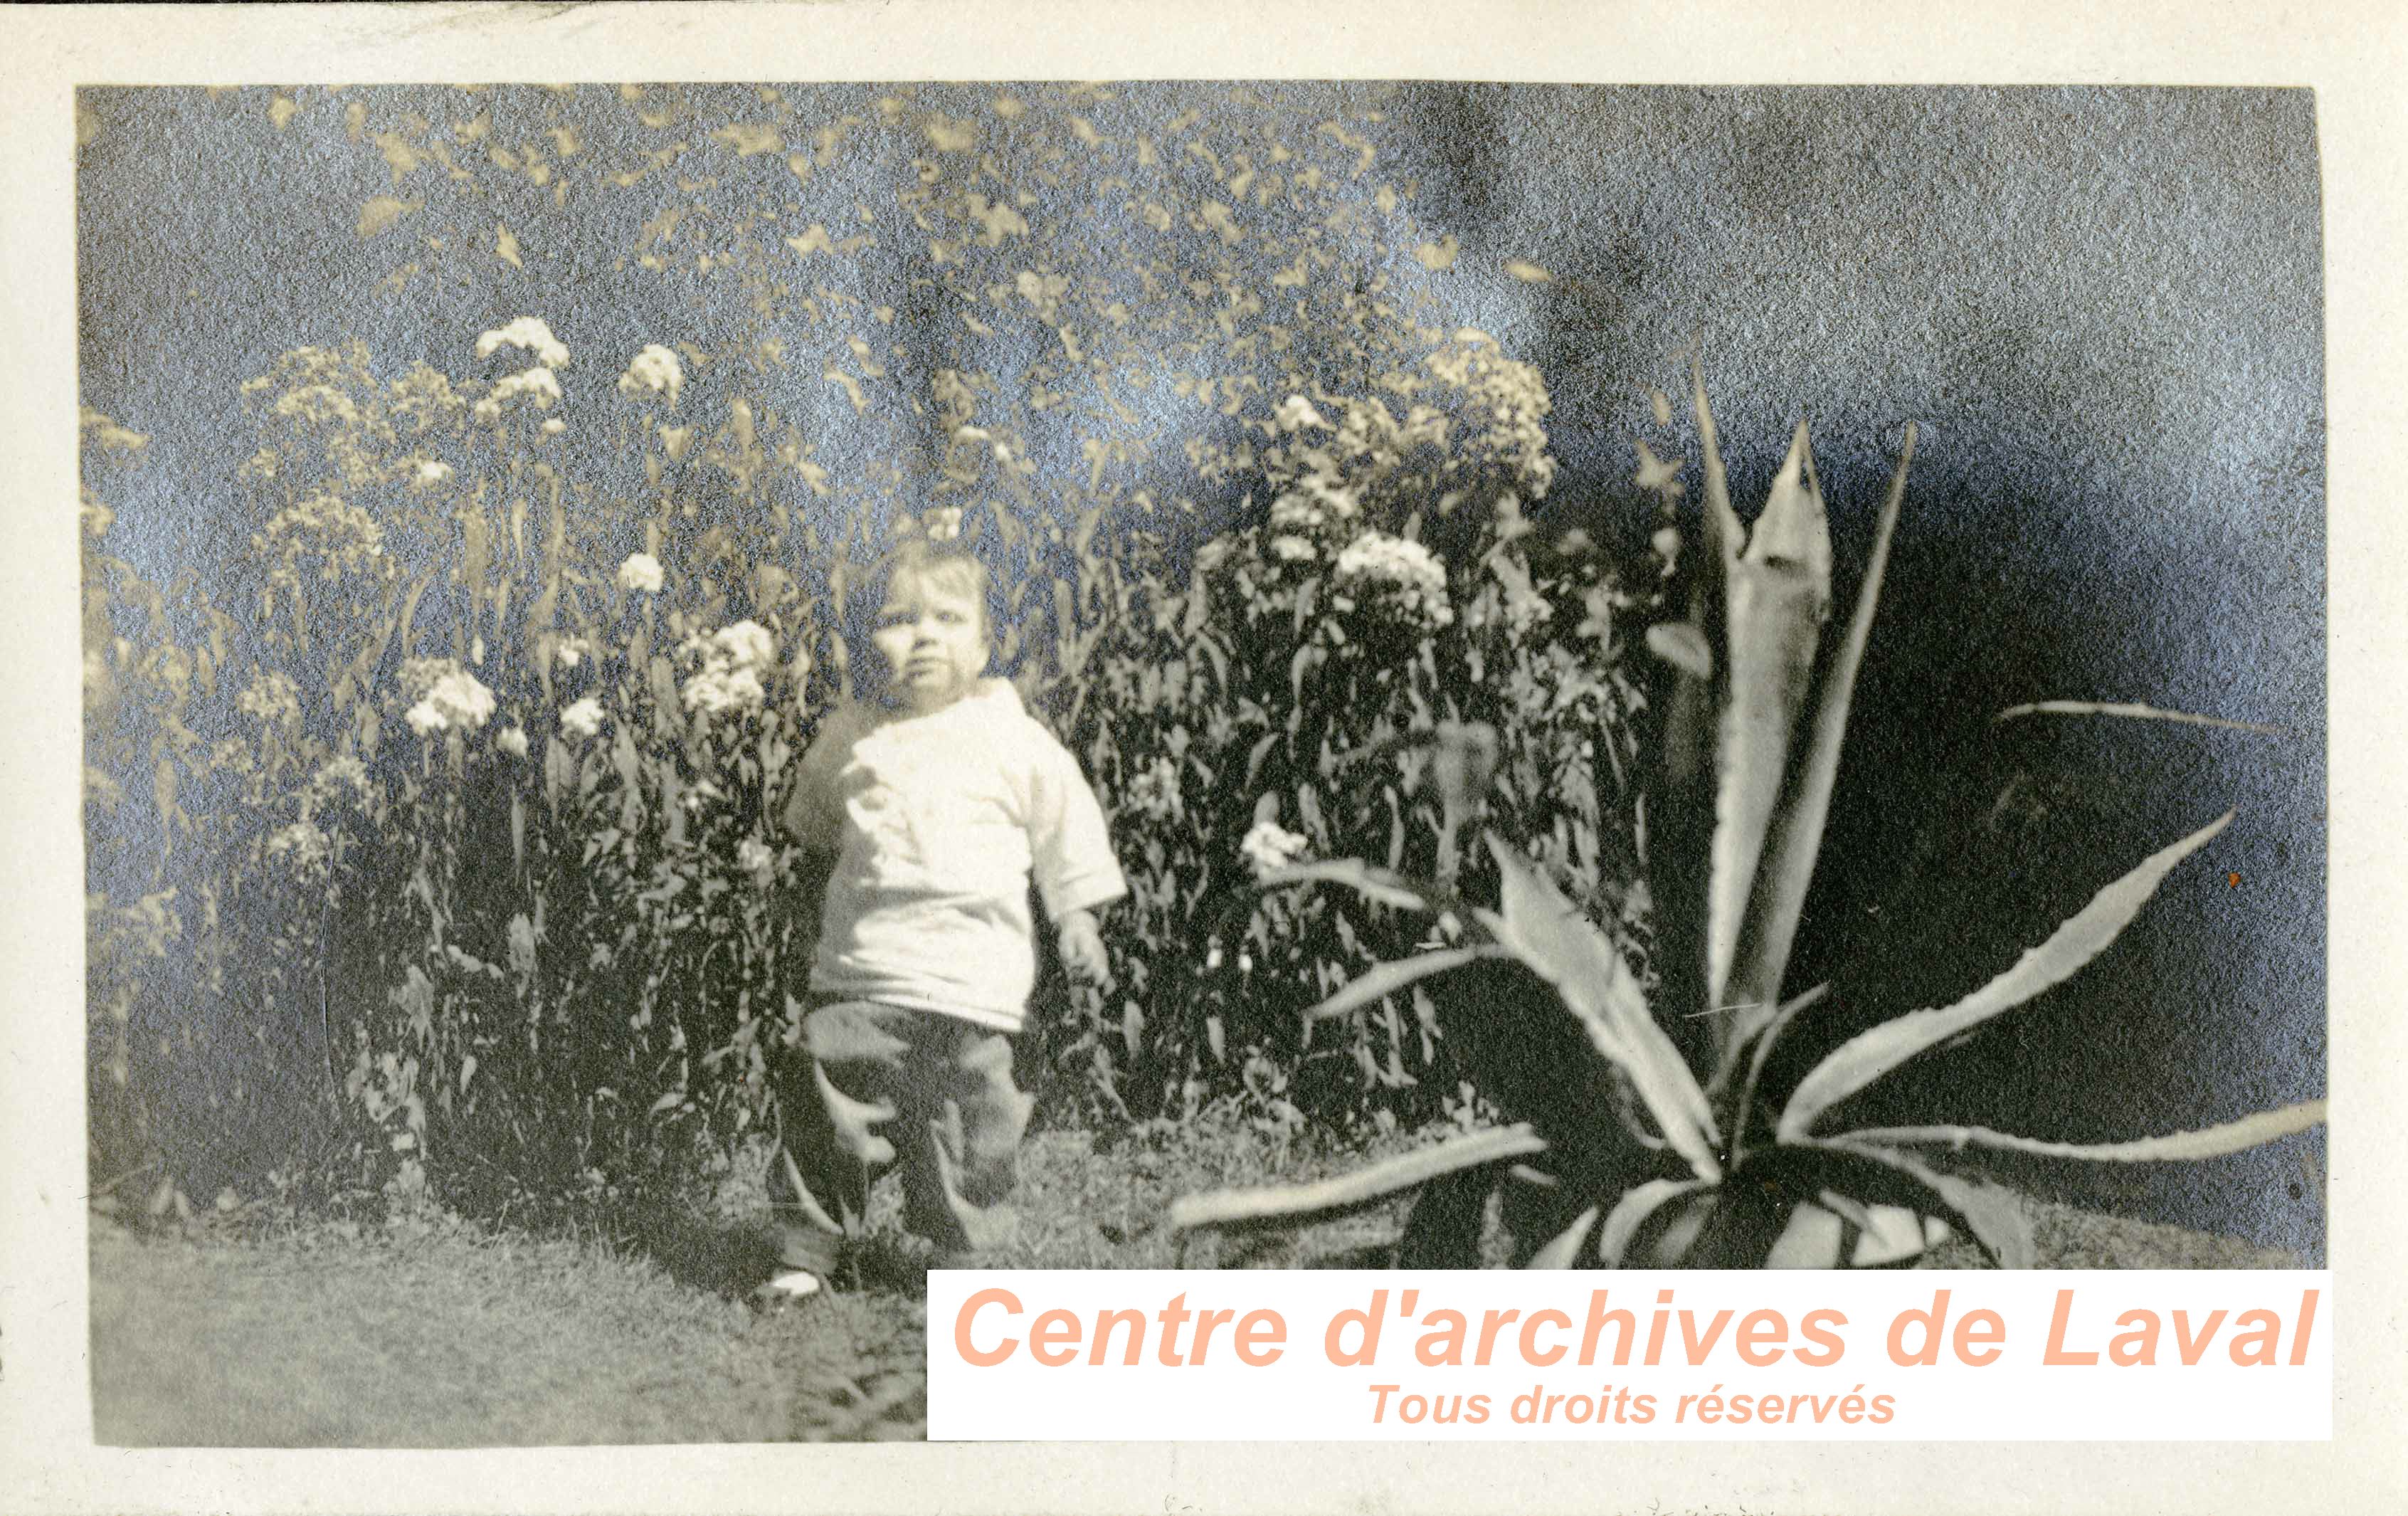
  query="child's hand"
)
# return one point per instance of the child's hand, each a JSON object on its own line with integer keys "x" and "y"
{"x": 1083, "y": 950}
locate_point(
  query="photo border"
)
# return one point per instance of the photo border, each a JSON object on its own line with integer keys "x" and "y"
{"x": 2353, "y": 62}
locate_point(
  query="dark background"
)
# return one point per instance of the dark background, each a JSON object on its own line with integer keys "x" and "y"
{"x": 2102, "y": 307}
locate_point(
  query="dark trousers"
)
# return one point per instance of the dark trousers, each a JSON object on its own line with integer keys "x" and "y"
{"x": 873, "y": 1085}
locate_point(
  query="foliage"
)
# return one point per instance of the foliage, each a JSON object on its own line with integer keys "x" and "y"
{"x": 1273, "y": 708}
{"x": 1715, "y": 1171}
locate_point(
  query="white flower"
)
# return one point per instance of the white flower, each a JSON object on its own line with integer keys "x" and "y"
{"x": 753, "y": 856}
{"x": 529, "y": 333}
{"x": 1312, "y": 502}
{"x": 1296, "y": 412}
{"x": 455, "y": 700}
{"x": 513, "y": 740}
{"x": 273, "y": 698}
{"x": 720, "y": 689}
{"x": 640, "y": 571}
{"x": 1155, "y": 791}
{"x": 431, "y": 472}
{"x": 554, "y": 427}
{"x": 747, "y": 643}
{"x": 732, "y": 660}
{"x": 301, "y": 842}
{"x": 1291, "y": 549}
{"x": 571, "y": 651}
{"x": 1410, "y": 572}
{"x": 582, "y": 719}
{"x": 540, "y": 384}
{"x": 1271, "y": 845}
{"x": 943, "y": 523}
{"x": 655, "y": 370}
{"x": 488, "y": 410}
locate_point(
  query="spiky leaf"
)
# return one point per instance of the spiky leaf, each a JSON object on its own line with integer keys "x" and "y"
{"x": 1631, "y": 1212}
{"x": 1385, "y": 885}
{"x": 1797, "y": 836}
{"x": 2206, "y": 1142}
{"x": 1563, "y": 1248}
{"x": 1868, "y": 1056}
{"x": 1570, "y": 952}
{"x": 1382, "y": 980}
{"x": 1239, "y": 1211}
{"x": 1779, "y": 595}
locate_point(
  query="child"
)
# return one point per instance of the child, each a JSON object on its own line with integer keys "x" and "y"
{"x": 926, "y": 806}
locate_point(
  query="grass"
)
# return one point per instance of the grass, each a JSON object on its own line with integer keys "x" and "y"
{"x": 432, "y": 1333}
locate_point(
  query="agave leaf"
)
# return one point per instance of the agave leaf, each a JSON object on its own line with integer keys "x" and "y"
{"x": 1757, "y": 1051}
{"x": 1239, "y": 1211}
{"x": 2128, "y": 710}
{"x": 1385, "y": 979}
{"x": 1779, "y": 595}
{"x": 1773, "y": 635}
{"x": 1883, "y": 1235}
{"x": 1631, "y": 1212}
{"x": 1565, "y": 1245}
{"x": 1385, "y": 885}
{"x": 1991, "y": 1216}
{"x": 1794, "y": 526}
{"x": 1797, "y": 838}
{"x": 1877, "y": 1176}
{"x": 1570, "y": 952}
{"x": 1868, "y": 1056}
{"x": 2207, "y": 1142}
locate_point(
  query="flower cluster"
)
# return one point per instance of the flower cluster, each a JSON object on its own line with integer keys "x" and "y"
{"x": 732, "y": 660}
{"x": 641, "y": 571}
{"x": 583, "y": 718}
{"x": 1296, "y": 412}
{"x": 454, "y": 701}
{"x": 754, "y": 857}
{"x": 513, "y": 740}
{"x": 343, "y": 538}
{"x": 1514, "y": 398}
{"x": 1405, "y": 573}
{"x": 319, "y": 405}
{"x": 1154, "y": 791}
{"x": 302, "y": 844}
{"x": 572, "y": 651}
{"x": 429, "y": 474}
{"x": 335, "y": 777}
{"x": 540, "y": 385}
{"x": 274, "y": 699}
{"x": 1270, "y": 845}
{"x": 655, "y": 370}
{"x": 526, "y": 332}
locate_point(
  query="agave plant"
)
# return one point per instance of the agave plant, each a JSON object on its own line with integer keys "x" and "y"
{"x": 1623, "y": 1152}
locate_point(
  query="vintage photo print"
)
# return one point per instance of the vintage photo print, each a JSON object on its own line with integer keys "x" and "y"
{"x": 699, "y": 697}
{"x": 654, "y": 652}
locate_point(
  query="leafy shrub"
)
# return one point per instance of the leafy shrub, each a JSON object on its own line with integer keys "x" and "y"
{"x": 1275, "y": 705}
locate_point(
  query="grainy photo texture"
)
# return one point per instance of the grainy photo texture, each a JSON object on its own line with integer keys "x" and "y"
{"x": 701, "y": 698}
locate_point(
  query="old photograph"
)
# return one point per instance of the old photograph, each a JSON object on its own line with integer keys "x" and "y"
{"x": 700, "y": 699}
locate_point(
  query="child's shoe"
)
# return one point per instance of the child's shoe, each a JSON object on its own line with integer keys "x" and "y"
{"x": 789, "y": 1289}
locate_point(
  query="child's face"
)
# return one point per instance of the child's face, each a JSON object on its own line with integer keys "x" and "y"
{"x": 931, "y": 633}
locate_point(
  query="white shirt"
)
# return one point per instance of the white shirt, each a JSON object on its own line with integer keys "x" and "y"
{"x": 939, "y": 822}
